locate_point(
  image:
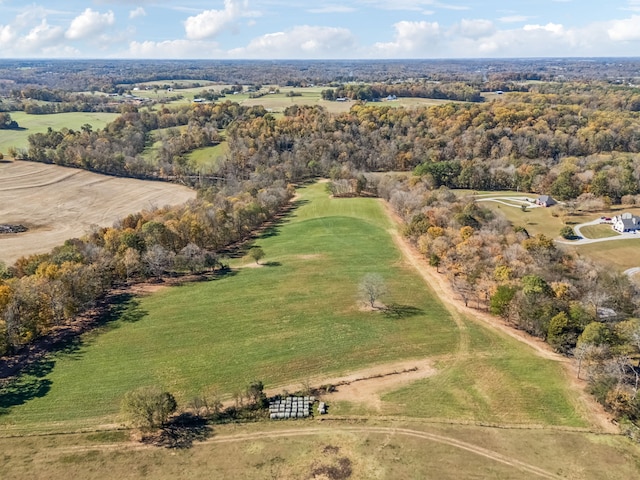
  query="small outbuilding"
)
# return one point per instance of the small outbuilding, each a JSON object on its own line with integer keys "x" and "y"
{"x": 545, "y": 201}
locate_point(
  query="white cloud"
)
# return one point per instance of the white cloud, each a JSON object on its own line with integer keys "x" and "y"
{"x": 89, "y": 23}
{"x": 301, "y": 42}
{"x": 7, "y": 35}
{"x": 549, "y": 27}
{"x": 411, "y": 39}
{"x": 173, "y": 49}
{"x": 210, "y": 23}
{"x": 625, "y": 30}
{"x": 138, "y": 12}
{"x": 41, "y": 36}
{"x": 475, "y": 28}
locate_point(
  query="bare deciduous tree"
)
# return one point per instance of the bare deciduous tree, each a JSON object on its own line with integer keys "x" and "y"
{"x": 372, "y": 288}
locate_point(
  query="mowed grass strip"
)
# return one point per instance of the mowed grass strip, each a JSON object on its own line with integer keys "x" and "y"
{"x": 294, "y": 318}
{"x": 598, "y": 231}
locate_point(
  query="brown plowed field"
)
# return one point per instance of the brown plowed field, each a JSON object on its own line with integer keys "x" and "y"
{"x": 58, "y": 203}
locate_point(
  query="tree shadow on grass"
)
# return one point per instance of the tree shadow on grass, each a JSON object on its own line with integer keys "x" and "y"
{"x": 271, "y": 264}
{"x": 396, "y": 310}
{"x": 241, "y": 248}
{"x": 29, "y": 385}
{"x": 181, "y": 432}
{"x": 26, "y": 378}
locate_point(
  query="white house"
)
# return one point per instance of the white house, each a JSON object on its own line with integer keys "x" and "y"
{"x": 626, "y": 222}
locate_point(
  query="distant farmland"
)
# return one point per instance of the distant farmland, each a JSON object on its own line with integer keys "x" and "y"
{"x": 58, "y": 203}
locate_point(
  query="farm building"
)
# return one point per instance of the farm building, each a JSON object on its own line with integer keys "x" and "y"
{"x": 626, "y": 222}
{"x": 545, "y": 201}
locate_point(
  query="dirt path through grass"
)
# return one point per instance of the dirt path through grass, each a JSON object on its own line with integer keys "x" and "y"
{"x": 443, "y": 290}
{"x": 313, "y": 431}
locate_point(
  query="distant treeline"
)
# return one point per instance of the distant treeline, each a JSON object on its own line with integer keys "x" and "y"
{"x": 108, "y": 75}
{"x": 371, "y": 92}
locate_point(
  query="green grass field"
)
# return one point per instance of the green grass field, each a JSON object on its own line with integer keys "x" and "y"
{"x": 622, "y": 254}
{"x": 296, "y": 317}
{"x": 599, "y": 231}
{"x": 39, "y": 123}
{"x": 293, "y": 318}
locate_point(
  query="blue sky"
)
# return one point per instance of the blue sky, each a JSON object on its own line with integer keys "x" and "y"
{"x": 338, "y": 29}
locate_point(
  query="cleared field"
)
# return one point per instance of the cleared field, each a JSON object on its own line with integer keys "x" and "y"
{"x": 294, "y": 318}
{"x": 534, "y": 220}
{"x": 297, "y": 318}
{"x": 208, "y": 157}
{"x": 58, "y": 203}
{"x": 39, "y": 123}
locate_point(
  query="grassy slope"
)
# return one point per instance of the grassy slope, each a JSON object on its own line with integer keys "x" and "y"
{"x": 278, "y": 323}
{"x": 499, "y": 382}
{"x": 40, "y": 123}
{"x": 496, "y": 380}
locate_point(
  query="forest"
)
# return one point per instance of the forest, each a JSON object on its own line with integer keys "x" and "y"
{"x": 572, "y": 139}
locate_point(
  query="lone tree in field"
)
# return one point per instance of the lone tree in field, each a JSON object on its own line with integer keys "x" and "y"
{"x": 256, "y": 253}
{"x": 372, "y": 288}
{"x": 148, "y": 407}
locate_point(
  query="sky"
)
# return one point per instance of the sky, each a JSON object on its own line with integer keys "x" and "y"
{"x": 338, "y": 29}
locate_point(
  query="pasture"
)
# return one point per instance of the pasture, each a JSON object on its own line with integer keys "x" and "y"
{"x": 30, "y": 124}
{"x": 358, "y": 451}
{"x": 295, "y": 319}
{"x": 58, "y": 203}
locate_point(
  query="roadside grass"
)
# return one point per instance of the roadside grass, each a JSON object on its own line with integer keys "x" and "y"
{"x": 418, "y": 453}
{"x": 30, "y": 124}
{"x": 295, "y": 317}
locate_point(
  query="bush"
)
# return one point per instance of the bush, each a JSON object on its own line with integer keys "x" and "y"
{"x": 148, "y": 407}
{"x": 567, "y": 232}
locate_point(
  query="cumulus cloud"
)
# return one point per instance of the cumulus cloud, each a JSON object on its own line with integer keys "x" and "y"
{"x": 475, "y": 28}
{"x": 411, "y": 39}
{"x": 138, "y": 12}
{"x": 42, "y": 35}
{"x": 555, "y": 28}
{"x": 172, "y": 49}
{"x": 7, "y": 34}
{"x": 210, "y": 23}
{"x": 301, "y": 42}
{"x": 625, "y": 30}
{"x": 89, "y": 23}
